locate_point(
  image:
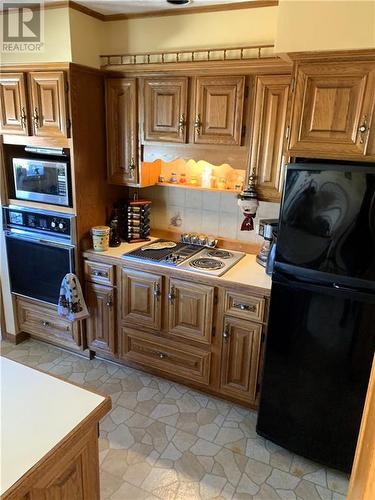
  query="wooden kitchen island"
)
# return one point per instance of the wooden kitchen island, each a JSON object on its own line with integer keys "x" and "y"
{"x": 49, "y": 436}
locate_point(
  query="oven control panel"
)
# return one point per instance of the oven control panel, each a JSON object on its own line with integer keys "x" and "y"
{"x": 46, "y": 222}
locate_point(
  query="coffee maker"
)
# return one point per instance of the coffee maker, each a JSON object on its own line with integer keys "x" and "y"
{"x": 267, "y": 229}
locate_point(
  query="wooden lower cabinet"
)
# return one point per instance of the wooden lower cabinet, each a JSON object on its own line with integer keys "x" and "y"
{"x": 70, "y": 473}
{"x": 41, "y": 320}
{"x": 240, "y": 359}
{"x": 100, "y": 326}
{"x": 190, "y": 310}
{"x": 170, "y": 357}
{"x": 141, "y": 298}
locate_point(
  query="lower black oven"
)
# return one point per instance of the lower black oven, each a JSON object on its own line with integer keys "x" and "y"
{"x": 38, "y": 256}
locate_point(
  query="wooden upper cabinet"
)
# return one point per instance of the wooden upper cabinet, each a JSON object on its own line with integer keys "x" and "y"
{"x": 13, "y": 118}
{"x": 333, "y": 106}
{"x": 141, "y": 298}
{"x": 240, "y": 358}
{"x": 190, "y": 310}
{"x": 219, "y": 103}
{"x": 121, "y": 105}
{"x": 48, "y": 104}
{"x": 100, "y": 326}
{"x": 165, "y": 109}
{"x": 268, "y": 136}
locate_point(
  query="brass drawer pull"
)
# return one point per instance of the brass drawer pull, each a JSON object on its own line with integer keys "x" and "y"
{"x": 132, "y": 166}
{"x": 363, "y": 129}
{"x": 171, "y": 294}
{"x": 198, "y": 124}
{"x": 245, "y": 307}
{"x": 46, "y": 323}
{"x": 157, "y": 292}
{"x": 226, "y": 334}
{"x": 109, "y": 302}
{"x": 23, "y": 117}
{"x": 162, "y": 355}
{"x": 101, "y": 274}
{"x": 36, "y": 118}
{"x": 181, "y": 124}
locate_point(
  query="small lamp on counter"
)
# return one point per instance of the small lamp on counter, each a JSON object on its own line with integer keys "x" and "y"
{"x": 248, "y": 203}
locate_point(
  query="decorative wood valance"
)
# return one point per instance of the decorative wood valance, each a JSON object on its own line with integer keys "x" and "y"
{"x": 250, "y": 52}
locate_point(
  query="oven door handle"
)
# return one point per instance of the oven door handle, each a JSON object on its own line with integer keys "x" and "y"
{"x": 35, "y": 239}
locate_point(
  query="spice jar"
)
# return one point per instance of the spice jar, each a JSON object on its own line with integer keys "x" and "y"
{"x": 183, "y": 179}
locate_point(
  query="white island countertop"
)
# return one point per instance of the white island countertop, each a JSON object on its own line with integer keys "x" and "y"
{"x": 37, "y": 412}
{"x": 247, "y": 272}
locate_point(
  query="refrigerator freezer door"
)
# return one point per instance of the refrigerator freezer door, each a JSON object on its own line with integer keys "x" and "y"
{"x": 327, "y": 221}
{"x": 320, "y": 344}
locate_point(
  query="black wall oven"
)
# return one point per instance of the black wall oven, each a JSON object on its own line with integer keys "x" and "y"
{"x": 40, "y": 249}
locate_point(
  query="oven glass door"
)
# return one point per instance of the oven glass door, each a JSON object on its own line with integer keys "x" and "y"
{"x": 36, "y": 269}
{"x": 42, "y": 181}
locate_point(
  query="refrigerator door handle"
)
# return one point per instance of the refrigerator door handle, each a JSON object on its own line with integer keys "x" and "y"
{"x": 344, "y": 288}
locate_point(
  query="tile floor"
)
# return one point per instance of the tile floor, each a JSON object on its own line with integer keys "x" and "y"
{"x": 165, "y": 441}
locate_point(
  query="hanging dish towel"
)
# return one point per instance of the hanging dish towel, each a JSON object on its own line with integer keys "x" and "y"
{"x": 71, "y": 304}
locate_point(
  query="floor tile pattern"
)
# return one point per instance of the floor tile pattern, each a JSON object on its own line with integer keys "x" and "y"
{"x": 165, "y": 441}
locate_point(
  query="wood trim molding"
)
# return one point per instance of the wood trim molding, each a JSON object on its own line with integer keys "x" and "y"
{"x": 331, "y": 55}
{"x": 251, "y": 4}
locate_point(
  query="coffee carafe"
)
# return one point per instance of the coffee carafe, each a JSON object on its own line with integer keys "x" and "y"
{"x": 267, "y": 229}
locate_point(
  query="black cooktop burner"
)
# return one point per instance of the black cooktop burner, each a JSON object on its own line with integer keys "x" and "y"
{"x": 220, "y": 254}
{"x": 205, "y": 263}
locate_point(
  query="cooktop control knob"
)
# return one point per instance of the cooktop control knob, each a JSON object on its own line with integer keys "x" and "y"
{"x": 61, "y": 225}
{"x": 53, "y": 224}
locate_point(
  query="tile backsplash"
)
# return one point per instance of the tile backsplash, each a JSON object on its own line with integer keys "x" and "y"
{"x": 216, "y": 213}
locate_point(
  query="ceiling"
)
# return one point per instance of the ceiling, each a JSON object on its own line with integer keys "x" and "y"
{"x": 111, "y": 7}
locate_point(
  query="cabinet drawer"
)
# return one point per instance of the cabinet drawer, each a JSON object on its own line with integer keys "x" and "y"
{"x": 99, "y": 273}
{"x": 166, "y": 356}
{"x": 42, "y": 320}
{"x": 244, "y": 306}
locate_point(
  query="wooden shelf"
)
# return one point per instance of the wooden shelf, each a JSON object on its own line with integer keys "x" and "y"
{"x": 200, "y": 188}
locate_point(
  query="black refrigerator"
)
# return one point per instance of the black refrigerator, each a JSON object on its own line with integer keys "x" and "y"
{"x": 321, "y": 330}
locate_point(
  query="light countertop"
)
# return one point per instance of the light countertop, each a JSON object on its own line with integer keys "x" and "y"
{"x": 37, "y": 412}
{"x": 247, "y": 272}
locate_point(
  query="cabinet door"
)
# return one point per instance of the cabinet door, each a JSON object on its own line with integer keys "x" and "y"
{"x": 165, "y": 108}
{"x": 332, "y": 109}
{"x": 100, "y": 326}
{"x": 141, "y": 298}
{"x": 13, "y": 118}
{"x": 268, "y": 138}
{"x": 240, "y": 358}
{"x": 219, "y": 103}
{"x": 48, "y": 104}
{"x": 190, "y": 310}
{"x": 121, "y": 111}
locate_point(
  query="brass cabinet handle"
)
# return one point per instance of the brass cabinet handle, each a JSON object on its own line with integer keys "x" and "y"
{"x": 36, "y": 118}
{"x": 181, "y": 124}
{"x": 46, "y": 323}
{"x": 162, "y": 355}
{"x": 244, "y": 307}
{"x": 198, "y": 124}
{"x": 132, "y": 165}
{"x": 101, "y": 274}
{"x": 363, "y": 129}
{"x": 171, "y": 294}
{"x": 23, "y": 117}
{"x": 226, "y": 334}
{"x": 109, "y": 302}
{"x": 157, "y": 292}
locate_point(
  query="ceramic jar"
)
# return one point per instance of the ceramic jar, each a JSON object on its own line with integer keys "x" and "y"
{"x": 100, "y": 238}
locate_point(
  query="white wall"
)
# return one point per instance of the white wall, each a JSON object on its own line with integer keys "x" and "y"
{"x": 57, "y": 47}
{"x": 211, "y": 29}
{"x": 310, "y": 25}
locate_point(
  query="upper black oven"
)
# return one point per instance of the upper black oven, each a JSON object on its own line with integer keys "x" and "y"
{"x": 41, "y": 175}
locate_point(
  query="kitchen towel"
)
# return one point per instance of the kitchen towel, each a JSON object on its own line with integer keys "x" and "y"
{"x": 72, "y": 305}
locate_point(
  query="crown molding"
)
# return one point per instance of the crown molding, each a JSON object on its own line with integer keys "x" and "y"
{"x": 251, "y": 4}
